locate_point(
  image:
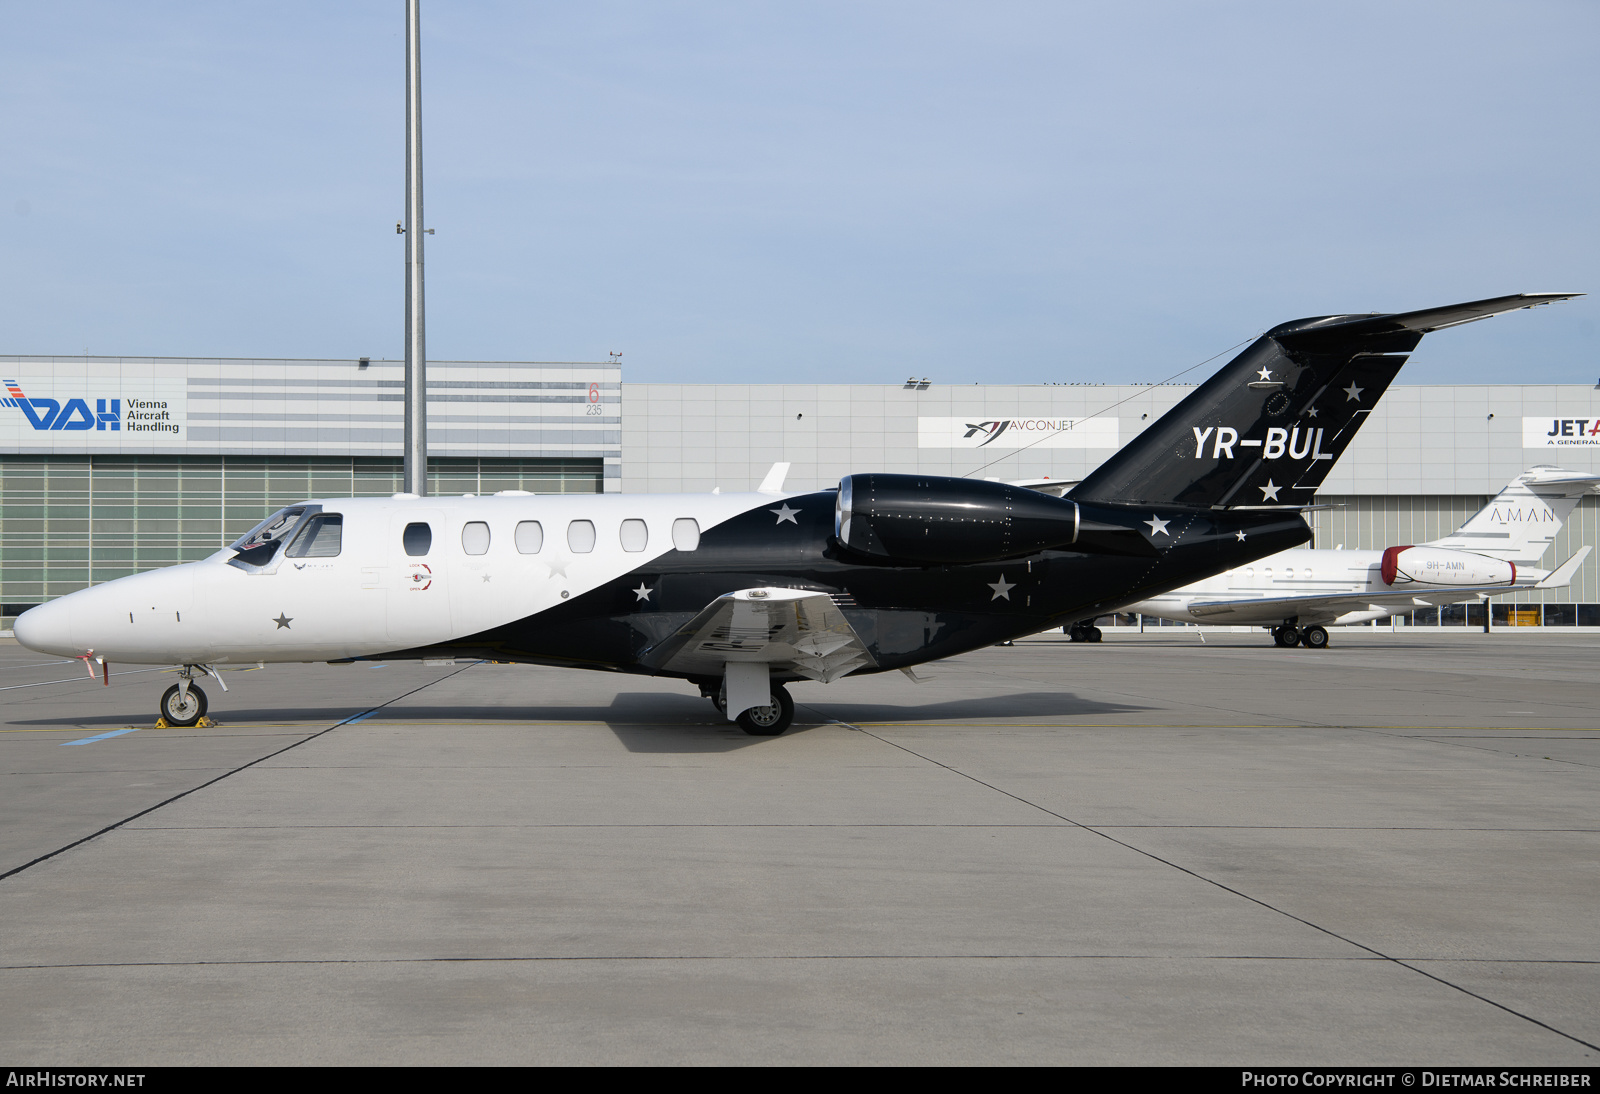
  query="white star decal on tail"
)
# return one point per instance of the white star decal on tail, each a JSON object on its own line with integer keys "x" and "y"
{"x": 1158, "y": 527}
{"x": 1265, "y": 374}
{"x": 786, "y": 514}
{"x": 1002, "y": 588}
{"x": 1269, "y": 492}
{"x": 1352, "y": 393}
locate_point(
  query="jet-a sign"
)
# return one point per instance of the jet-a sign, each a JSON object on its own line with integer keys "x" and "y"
{"x": 1561, "y": 432}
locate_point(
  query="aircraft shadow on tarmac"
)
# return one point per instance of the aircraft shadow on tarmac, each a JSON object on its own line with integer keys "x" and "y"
{"x": 654, "y": 721}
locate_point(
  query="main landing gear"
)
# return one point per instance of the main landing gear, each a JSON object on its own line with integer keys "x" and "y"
{"x": 184, "y": 704}
{"x": 1083, "y": 632}
{"x": 767, "y": 721}
{"x": 1312, "y": 638}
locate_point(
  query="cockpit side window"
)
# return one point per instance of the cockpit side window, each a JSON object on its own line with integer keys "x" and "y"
{"x": 418, "y": 538}
{"x": 320, "y": 538}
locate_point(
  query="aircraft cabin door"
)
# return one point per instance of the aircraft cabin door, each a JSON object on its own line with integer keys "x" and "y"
{"x": 418, "y": 600}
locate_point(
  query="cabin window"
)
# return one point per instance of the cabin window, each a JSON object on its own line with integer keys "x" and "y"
{"x": 319, "y": 538}
{"x": 475, "y": 538}
{"x": 634, "y": 535}
{"x": 417, "y": 539}
{"x": 686, "y": 534}
{"x": 580, "y": 536}
{"x": 529, "y": 537}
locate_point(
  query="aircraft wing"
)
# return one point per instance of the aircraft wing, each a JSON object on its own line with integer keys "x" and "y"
{"x": 786, "y": 629}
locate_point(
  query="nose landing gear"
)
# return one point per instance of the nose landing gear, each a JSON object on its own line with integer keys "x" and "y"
{"x": 184, "y": 704}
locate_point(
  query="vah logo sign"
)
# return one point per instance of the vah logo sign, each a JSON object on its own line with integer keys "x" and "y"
{"x": 110, "y": 415}
{"x": 979, "y": 431}
{"x": 1561, "y": 432}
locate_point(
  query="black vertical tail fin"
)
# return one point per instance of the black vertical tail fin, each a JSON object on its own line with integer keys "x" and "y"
{"x": 1266, "y": 429}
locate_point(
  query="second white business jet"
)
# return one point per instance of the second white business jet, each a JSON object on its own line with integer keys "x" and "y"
{"x": 1299, "y": 593}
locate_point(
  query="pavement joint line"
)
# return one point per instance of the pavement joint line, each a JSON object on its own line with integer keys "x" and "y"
{"x": 776, "y": 957}
{"x": 75, "y": 680}
{"x": 209, "y": 782}
{"x": 1245, "y": 896}
{"x": 1041, "y": 826}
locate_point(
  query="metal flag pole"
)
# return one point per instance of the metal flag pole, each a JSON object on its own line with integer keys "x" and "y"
{"x": 416, "y": 455}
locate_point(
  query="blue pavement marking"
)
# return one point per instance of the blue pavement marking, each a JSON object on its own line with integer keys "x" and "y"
{"x": 363, "y": 716}
{"x": 101, "y": 737}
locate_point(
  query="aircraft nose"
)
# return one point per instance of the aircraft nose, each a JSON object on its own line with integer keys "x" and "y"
{"x": 47, "y": 629}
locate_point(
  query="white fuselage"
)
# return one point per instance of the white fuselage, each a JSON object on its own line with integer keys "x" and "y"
{"x": 373, "y": 596}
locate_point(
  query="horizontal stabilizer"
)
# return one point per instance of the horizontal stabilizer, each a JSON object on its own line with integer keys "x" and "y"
{"x": 1309, "y": 332}
{"x": 1562, "y": 575}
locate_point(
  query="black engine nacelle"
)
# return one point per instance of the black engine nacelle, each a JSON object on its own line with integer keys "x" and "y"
{"x": 931, "y": 519}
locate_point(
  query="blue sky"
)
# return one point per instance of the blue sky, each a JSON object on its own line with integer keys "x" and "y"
{"x": 840, "y": 192}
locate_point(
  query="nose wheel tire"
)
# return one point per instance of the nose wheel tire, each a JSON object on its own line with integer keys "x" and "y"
{"x": 1314, "y": 638}
{"x": 769, "y": 721}
{"x": 180, "y": 710}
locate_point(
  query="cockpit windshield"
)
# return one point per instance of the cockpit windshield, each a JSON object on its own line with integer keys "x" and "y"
{"x": 258, "y": 547}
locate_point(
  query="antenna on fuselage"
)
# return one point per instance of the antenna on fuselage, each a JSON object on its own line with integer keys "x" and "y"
{"x": 416, "y": 452}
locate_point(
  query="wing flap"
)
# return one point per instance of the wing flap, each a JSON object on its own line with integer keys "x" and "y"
{"x": 803, "y": 632}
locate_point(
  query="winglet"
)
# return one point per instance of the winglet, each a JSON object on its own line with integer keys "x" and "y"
{"x": 773, "y": 483}
{"x": 1562, "y": 575}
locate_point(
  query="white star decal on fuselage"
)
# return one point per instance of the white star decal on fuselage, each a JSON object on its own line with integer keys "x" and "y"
{"x": 786, "y": 514}
{"x": 1240, "y": 534}
{"x": 1269, "y": 492}
{"x": 1158, "y": 527}
{"x": 643, "y": 592}
{"x": 1002, "y": 588}
{"x": 1353, "y": 393}
{"x": 559, "y": 569}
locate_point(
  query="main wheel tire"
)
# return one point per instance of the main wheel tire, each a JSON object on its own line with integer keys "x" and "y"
{"x": 1286, "y": 636}
{"x": 177, "y": 710}
{"x": 1314, "y": 638}
{"x": 1094, "y": 634}
{"x": 769, "y": 721}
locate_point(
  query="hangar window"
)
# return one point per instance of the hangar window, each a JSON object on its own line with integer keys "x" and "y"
{"x": 686, "y": 534}
{"x": 319, "y": 538}
{"x": 475, "y": 538}
{"x": 417, "y": 539}
{"x": 634, "y": 535}
{"x": 580, "y": 536}
{"x": 530, "y": 537}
